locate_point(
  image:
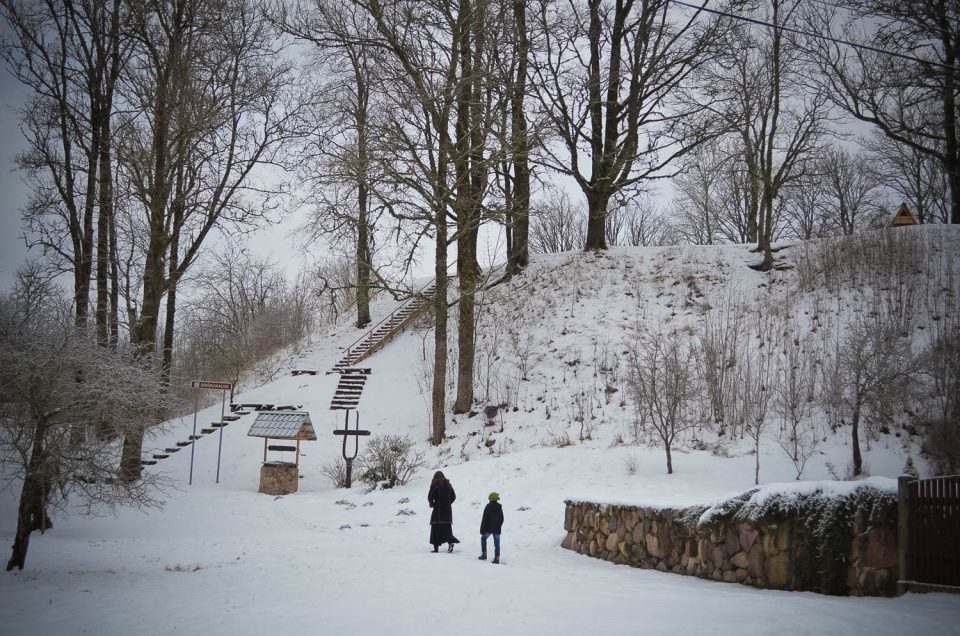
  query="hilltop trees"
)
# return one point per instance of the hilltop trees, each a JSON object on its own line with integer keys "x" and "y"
{"x": 905, "y": 81}
{"x": 615, "y": 80}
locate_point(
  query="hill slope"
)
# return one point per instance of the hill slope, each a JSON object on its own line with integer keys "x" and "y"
{"x": 221, "y": 558}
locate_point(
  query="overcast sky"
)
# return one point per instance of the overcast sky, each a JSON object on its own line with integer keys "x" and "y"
{"x": 13, "y": 197}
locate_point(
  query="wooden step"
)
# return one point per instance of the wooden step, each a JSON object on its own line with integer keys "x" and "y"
{"x": 147, "y": 462}
{"x": 218, "y": 424}
{"x": 303, "y": 372}
{"x": 206, "y": 431}
{"x": 160, "y": 455}
{"x": 231, "y": 418}
{"x": 183, "y": 444}
{"x": 173, "y": 449}
{"x": 194, "y": 437}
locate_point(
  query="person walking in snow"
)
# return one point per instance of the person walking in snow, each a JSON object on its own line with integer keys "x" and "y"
{"x": 441, "y": 498}
{"x": 491, "y": 523}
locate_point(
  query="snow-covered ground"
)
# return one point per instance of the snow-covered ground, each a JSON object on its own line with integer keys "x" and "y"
{"x": 223, "y": 559}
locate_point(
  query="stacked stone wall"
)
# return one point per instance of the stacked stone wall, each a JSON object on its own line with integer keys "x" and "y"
{"x": 279, "y": 478}
{"x": 775, "y": 556}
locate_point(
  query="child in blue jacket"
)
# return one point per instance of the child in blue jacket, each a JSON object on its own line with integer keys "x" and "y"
{"x": 491, "y": 523}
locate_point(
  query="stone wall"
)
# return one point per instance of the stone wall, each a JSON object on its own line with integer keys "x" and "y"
{"x": 773, "y": 556}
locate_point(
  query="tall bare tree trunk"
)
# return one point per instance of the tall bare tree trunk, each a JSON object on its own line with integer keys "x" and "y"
{"x": 364, "y": 256}
{"x": 855, "y": 440}
{"x": 596, "y": 221}
{"x": 438, "y": 398}
{"x": 31, "y": 496}
{"x": 519, "y": 205}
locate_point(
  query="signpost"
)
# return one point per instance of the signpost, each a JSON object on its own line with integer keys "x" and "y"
{"x": 219, "y": 386}
{"x": 355, "y": 433}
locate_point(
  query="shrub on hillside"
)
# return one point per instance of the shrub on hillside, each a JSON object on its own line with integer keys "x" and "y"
{"x": 388, "y": 461}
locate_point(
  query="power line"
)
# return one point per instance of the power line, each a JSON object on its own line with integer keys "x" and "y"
{"x": 819, "y": 36}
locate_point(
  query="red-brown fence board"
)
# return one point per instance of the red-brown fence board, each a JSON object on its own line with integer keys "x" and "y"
{"x": 933, "y": 550}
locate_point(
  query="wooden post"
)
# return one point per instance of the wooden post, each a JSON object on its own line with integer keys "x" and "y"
{"x": 903, "y": 492}
{"x": 264, "y": 450}
{"x": 297, "y": 460}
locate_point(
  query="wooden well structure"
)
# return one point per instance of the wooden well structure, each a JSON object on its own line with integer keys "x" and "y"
{"x": 281, "y": 477}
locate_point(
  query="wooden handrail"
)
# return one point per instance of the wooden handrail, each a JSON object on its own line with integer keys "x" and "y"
{"x": 388, "y": 317}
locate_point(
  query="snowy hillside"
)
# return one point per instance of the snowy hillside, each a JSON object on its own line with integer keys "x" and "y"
{"x": 553, "y": 357}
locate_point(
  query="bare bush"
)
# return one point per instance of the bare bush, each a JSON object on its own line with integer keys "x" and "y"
{"x": 758, "y": 382}
{"x": 794, "y": 398}
{"x": 875, "y": 375}
{"x": 718, "y": 345}
{"x": 389, "y": 461}
{"x": 336, "y": 472}
{"x": 557, "y": 224}
{"x": 664, "y": 387}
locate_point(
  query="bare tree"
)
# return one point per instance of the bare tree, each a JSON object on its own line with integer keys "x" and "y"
{"x": 875, "y": 370}
{"x": 424, "y": 63}
{"x": 904, "y": 79}
{"x": 794, "y": 397}
{"x": 61, "y": 392}
{"x": 850, "y": 190}
{"x": 613, "y": 78}
{"x": 557, "y": 224}
{"x": 663, "y": 385}
{"x": 69, "y": 54}
{"x": 718, "y": 351}
{"x": 209, "y": 100}
{"x": 804, "y": 214}
{"x": 758, "y": 382}
{"x": 641, "y": 224}
{"x": 341, "y": 153}
{"x": 918, "y": 178}
{"x": 778, "y": 120}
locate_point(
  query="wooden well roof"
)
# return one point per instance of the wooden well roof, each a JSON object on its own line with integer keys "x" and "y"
{"x": 283, "y": 425}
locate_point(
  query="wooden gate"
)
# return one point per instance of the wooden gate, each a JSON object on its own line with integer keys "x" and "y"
{"x": 930, "y": 518}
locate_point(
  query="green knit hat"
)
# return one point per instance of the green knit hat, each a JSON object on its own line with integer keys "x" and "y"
{"x": 493, "y": 496}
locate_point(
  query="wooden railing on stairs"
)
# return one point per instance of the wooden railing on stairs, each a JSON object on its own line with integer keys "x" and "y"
{"x": 380, "y": 334}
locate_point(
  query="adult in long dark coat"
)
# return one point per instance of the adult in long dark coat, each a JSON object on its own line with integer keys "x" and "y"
{"x": 441, "y": 498}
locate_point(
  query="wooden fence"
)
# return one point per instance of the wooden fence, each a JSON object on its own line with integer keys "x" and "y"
{"x": 929, "y": 540}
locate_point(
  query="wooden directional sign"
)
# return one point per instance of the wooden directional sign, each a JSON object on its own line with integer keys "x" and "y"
{"x": 209, "y": 384}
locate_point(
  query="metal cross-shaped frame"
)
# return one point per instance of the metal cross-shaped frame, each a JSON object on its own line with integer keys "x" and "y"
{"x": 346, "y": 431}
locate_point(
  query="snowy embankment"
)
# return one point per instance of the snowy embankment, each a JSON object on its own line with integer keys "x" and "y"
{"x": 221, "y": 558}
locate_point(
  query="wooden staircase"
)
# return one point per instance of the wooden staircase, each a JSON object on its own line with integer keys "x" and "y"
{"x": 236, "y": 412}
{"x": 349, "y": 388}
{"x": 384, "y": 331}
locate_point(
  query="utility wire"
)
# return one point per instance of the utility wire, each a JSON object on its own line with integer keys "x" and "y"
{"x": 818, "y": 36}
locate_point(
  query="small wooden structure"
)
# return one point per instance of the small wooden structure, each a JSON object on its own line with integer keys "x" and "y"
{"x": 279, "y": 477}
{"x": 903, "y": 217}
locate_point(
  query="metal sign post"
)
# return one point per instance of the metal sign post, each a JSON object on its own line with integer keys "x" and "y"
{"x": 216, "y": 385}
{"x": 196, "y": 407}
{"x": 355, "y": 433}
